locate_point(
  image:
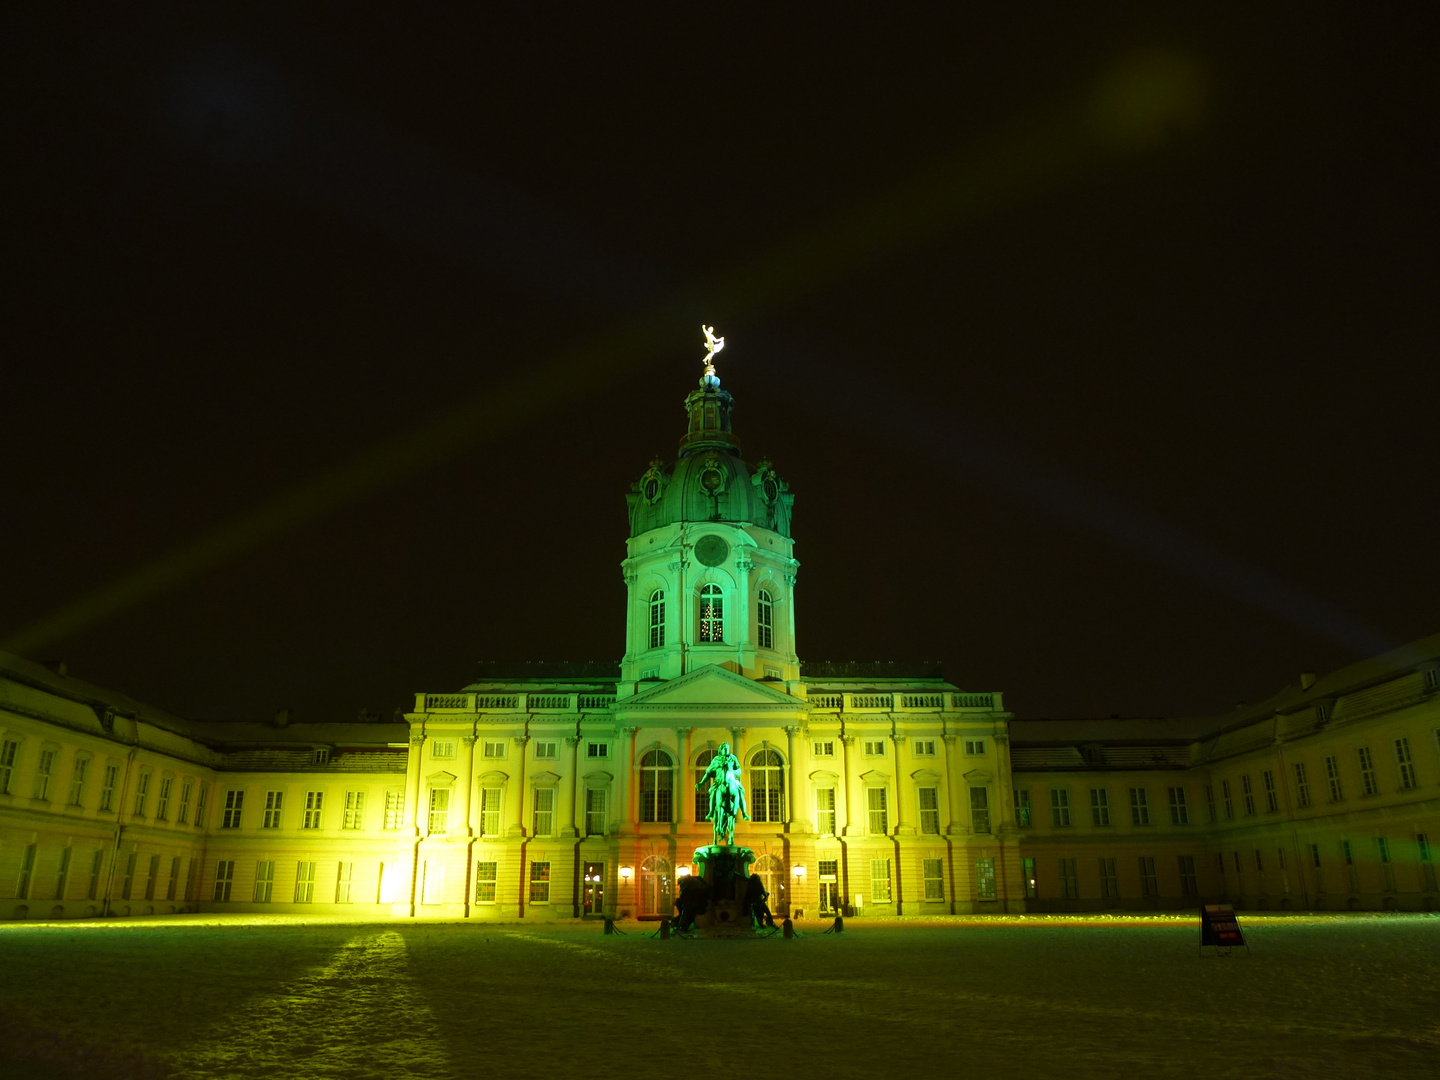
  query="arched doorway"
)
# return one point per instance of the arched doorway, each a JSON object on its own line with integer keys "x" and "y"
{"x": 656, "y": 893}
{"x": 771, "y": 872}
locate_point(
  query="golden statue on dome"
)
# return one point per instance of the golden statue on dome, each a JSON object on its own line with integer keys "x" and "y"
{"x": 712, "y": 346}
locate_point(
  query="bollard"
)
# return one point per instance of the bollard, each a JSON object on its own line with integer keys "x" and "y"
{"x": 664, "y": 929}
{"x": 839, "y": 926}
{"x": 787, "y": 928}
{"x": 609, "y": 926}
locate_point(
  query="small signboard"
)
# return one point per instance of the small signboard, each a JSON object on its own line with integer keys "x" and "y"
{"x": 1219, "y": 927}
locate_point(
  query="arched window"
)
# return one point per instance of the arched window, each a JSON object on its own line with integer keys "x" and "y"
{"x": 657, "y": 618}
{"x": 702, "y": 795}
{"x": 656, "y": 895}
{"x": 771, "y": 872}
{"x": 767, "y": 786}
{"x": 765, "y": 620}
{"x": 712, "y": 613}
{"x": 657, "y": 775}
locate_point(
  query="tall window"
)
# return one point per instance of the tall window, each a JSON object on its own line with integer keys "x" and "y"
{"x": 1229, "y": 802}
{"x": 62, "y": 874}
{"x": 1022, "y": 807}
{"x": 1406, "y": 763}
{"x": 97, "y": 862}
{"x": 1139, "y": 807}
{"x": 1059, "y": 807}
{"x": 979, "y": 810}
{"x": 1249, "y": 794}
{"x": 394, "y": 809}
{"x": 930, "y": 810}
{"x": 344, "y": 879}
{"x": 1149, "y": 884}
{"x": 490, "y": 811}
{"x": 432, "y": 882}
{"x": 1069, "y": 880}
{"x": 439, "y": 823}
{"x": 154, "y": 872}
{"x": 1099, "y": 806}
{"x": 354, "y": 810}
{"x": 1367, "y": 771}
{"x": 264, "y": 880}
{"x": 656, "y": 886}
{"x": 1210, "y": 803}
{"x": 485, "y": 882}
{"x": 933, "y": 871}
{"x": 1272, "y": 800}
{"x": 234, "y": 802}
{"x": 142, "y": 792}
{"x": 1109, "y": 881}
{"x": 984, "y": 880}
{"x": 224, "y": 878}
{"x": 657, "y": 618}
{"x": 594, "y": 811}
{"x": 1189, "y": 883}
{"x": 1179, "y": 811}
{"x": 767, "y": 785}
{"x": 200, "y": 801}
{"x": 1427, "y": 863}
{"x": 879, "y": 818}
{"x": 765, "y": 620}
{"x": 162, "y": 804}
{"x": 880, "y": 878}
{"x": 1332, "y": 777}
{"x": 702, "y": 794}
{"x": 1302, "y": 785}
{"x": 1387, "y": 868}
{"x": 314, "y": 802}
{"x": 126, "y": 884}
{"x": 539, "y": 882}
{"x": 825, "y": 810}
{"x": 274, "y": 801}
{"x": 657, "y": 775}
{"x": 45, "y": 773}
{"x": 1027, "y": 876}
{"x": 544, "y": 815}
{"x": 8, "y": 749}
{"x": 712, "y": 613}
{"x": 305, "y": 882}
{"x": 77, "y": 780}
{"x": 174, "y": 883}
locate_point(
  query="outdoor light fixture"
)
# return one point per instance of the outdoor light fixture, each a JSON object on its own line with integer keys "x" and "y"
{"x": 626, "y": 873}
{"x": 799, "y": 871}
{"x": 684, "y": 871}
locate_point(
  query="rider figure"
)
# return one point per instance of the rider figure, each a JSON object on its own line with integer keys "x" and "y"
{"x": 727, "y": 794}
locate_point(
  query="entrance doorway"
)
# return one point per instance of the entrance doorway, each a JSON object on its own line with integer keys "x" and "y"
{"x": 829, "y": 887}
{"x": 594, "y": 891}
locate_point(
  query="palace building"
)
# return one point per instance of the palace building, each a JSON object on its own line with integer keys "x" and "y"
{"x": 559, "y": 791}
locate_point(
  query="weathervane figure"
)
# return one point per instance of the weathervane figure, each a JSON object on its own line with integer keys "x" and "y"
{"x": 712, "y": 346}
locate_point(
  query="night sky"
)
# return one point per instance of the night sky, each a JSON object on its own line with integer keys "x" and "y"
{"x": 1148, "y": 430}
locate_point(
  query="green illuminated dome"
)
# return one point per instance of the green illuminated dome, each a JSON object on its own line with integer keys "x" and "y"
{"x": 710, "y": 481}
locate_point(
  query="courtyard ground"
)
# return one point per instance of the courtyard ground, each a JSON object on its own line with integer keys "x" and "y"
{"x": 205, "y": 996}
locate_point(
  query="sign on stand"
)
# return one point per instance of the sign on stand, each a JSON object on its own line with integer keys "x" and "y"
{"x": 1218, "y": 927}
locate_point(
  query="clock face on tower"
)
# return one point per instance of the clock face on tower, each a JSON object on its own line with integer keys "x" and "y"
{"x": 711, "y": 550}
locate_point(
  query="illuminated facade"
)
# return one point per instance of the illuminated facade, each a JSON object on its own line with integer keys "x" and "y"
{"x": 554, "y": 791}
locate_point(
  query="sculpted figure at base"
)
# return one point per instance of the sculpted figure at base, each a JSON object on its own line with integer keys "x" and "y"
{"x": 727, "y": 794}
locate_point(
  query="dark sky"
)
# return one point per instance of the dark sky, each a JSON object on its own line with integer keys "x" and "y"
{"x": 1151, "y": 436}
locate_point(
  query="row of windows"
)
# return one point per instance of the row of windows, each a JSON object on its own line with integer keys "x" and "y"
{"x": 825, "y": 748}
{"x": 177, "y": 796}
{"x": 137, "y": 878}
{"x": 1100, "y": 809}
{"x": 710, "y": 617}
{"x": 313, "y": 813}
{"x": 1330, "y": 782}
{"x": 1109, "y": 877}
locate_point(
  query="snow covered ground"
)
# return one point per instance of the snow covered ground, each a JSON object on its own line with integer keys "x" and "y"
{"x": 204, "y": 996}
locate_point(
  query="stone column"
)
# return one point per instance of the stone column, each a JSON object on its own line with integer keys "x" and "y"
{"x": 685, "y": 783}
{"x": 743, "y": 643}
{"x": 849, "y": 786}
{"x": 684, "y": 629}
{"x": 627, "y": 807}
{"x": 570, "y": 787}
{"x": 412, "y": 814}
{"x": 902, "y": 783}
{"x": 520, "y": 742}
{"x": 790, "y": 604}
{"x": 469, "y": 778}
{"x": 791, "y": 763}
{"x": 951, "y": 794}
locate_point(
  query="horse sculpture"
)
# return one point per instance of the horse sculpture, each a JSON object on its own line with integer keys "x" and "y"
{"x": 727, "y": 794}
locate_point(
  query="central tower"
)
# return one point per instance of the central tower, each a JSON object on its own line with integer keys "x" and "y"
{"x": 710, "y": 567}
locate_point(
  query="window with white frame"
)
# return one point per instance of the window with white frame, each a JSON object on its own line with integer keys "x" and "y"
{"x": 1302, "y": 785}
{"x": 314, "y": 805}
{"x": 162, "y": 799}
{"x": 712, "y": 613}
{"x": 1332, "y": 778}
{"x": 492, "y": 748}
{"x": 1249, "y": 794}
{"x": 1139, "y": 806}
{"x": 1109, "y": 880}
{"x": 142, "y": 792}
{"x": 1229, "y": 802}
{"x": 923, "y": 747}
{"x": 1272, "y": 798}
{"x": 442, "y": 749}
{"x": 1022, "y": 807}
{"x": 974, "y": 747}
{"x": 320, "y": 756}
{"x": 200, "y": 801}
{"x": 1406, "y": 763}
{"x": 767, "y": 786}
{"x": 173, "y": 885}
{"x": 45, "y": 773}
{"x": 1189, "y": 883}
{"x": 979, "y": 810}
{"x": 62, "y": 874}
{"x": 874, "y": 747}
{"x": 597, "y": 750}
{"x": 439, "y": 818}
{"x": 394, "y": 809}
{"x": 656, "y": 605}
{"x": 543, "y": 817}
{"x": 1179, "y": 810}
{"x": 305, "y": 882}
{"x": 490, "y": 811}
{"x": 1060, "y": 807}
{"x": 929, "y": 799}
{"x": 344, "y": 882}
{"x": 539, "y": 882}
{"x": 825, "y": 810}
{"x": 824, "y": 748}
{"x": 1368, "y": 784}
{"x": 1210, "y": 803}
{"x": 274, "y": 801}
{"x": 127, "y": 883}
{"x": 1069, "y": 880}
{"x": 151, "y": 876}
{"x": 657, "y": 786}
{"x": 264, "y": 881}
{"x": 97, "y": 863}
{"x": 878, "y": 812}
{"x": 1099, "y": 806}
{"x": 984, "y": 878}
{"x": 933, "y": 874}
{"x": 702, "y": 789}
{"x": 765, "y": 620}
{"x": 78, "y": 772}
{"x": 9, "y": 750}
{"x": 1149, "y": 883}
{"x": 546, "y": 750}
{"x": 224, "y": 878}
{"x": 234, "y": 803}
{"x": 595, "y": 811}
{"x": 880, "y": 881}
{"x": 485, "y": 881}
{"x": 354, "y": 810}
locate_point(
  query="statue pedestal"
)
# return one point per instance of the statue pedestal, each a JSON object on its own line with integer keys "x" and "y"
{"x": 716, "y": 897}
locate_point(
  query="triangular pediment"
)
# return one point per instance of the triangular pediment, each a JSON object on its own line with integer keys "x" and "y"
{"x": 711, "y": 686}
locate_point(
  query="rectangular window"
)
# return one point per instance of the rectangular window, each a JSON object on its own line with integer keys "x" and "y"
{"x": 1139, "y": 807}
{"x": 544, "y": 816}
{"x": 879, "y": 817}
{"x": 1022, "y": 807}
{"x": 234, "y": 803}
{"x": 1109, "y": 882}
{"x": 305, "y": 882}
{"x": 8, "y": 750}
{"x": 107, "y": 787}
{"x": 1249, "y": 794}
{"x": 97, "y": 862}
{"x": 597, "y": 750}
{"x": 442, "y": 749}
{"x": 320, "y": 756}
{"x": 1367, "y": 772}
{"x": 274, "y": 800}
{"x": 1179, "y": 809}
{"x": 439, "y": 811}
{"x": 1210, "y": 803}
{"x": 765, "y": 620}
{"x": 1189, "y": 883}
{"x": 142, "y": 792}
{"x": 874, "y": 747}
{"x": 182, "y": 814}
{"x": 1229, "y": 803}
{"x": 1302, "y": 785}
{"x": 77, "y": 780}
{"x": 1099, "y": 806}
{"x": 1272, "y": 801}
{"x": 173, "y": 885}
{"x": 27, "y": 870}
{"x": 432, "y": 878}
{"x": 929, "y": 810}
{"x": 825, "y": 810}
{"x": 44, "y": 774}
{"x": 657, "y": 619}
{"x": 880, "y": 881}
{"x": 1387, "y": 868}
{"x": 1059, "y": 807}
{"x": 594, "y": 812}
{"x": 984, "y": 879}
{"x": 539, "y": 882}
{"x": 151, "y": 876}
{"x": 1027, "y": 872}
{"x": 485, "y": 882}
{"x": 224, "y": 878}
{"x": 825, "y": 748}
{"x": 974, "y": 747}
{"x": 1332, "y": 776}
{"x": 354, "y": 810}
{"x": 979, "y": 811}
{"x": 1149, "y": 884}
{"x": 546, "y": 750}
{"x": 62, "y": 874}
{"x": 1069, "y": 880}
{"x": 264, "y": 881}
{"x": 162, "y": 804}
{"x": 344, "y": 882}
{"x": 924, "y": 747}
{"x": 493, "y": 748}
{"x": 490, "y": 811}
{"x": 1406, "y": 764}
{"x": 1427, "y": 862}
{"x": 200, "y": 805}
{"x": 190, "y": 879}
{"x": 314, "y": 803}
{"x": 933, "y": 874}
{"x": 394, "y": 809}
